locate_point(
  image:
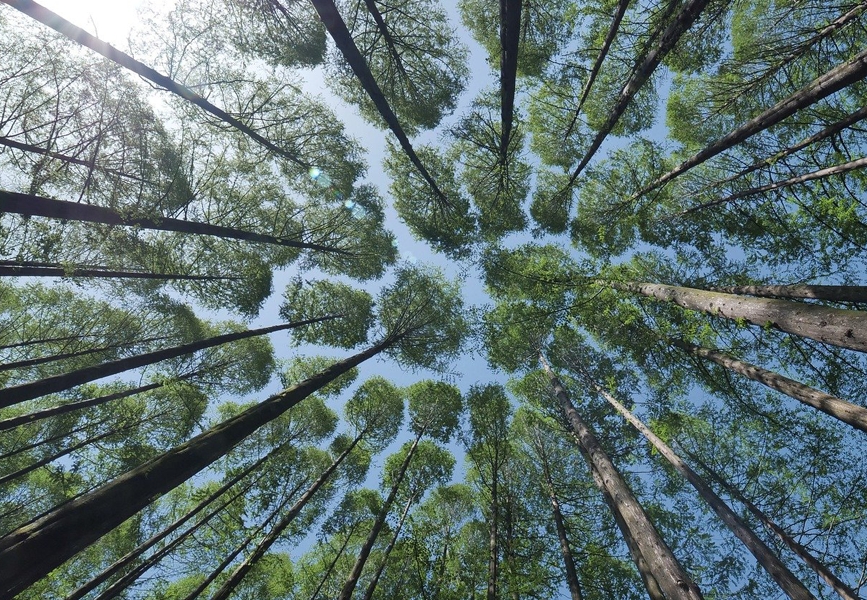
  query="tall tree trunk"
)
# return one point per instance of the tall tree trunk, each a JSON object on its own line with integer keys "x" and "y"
{"x": 336, "y": 27}
{"x": 10, "y": 268}
{"x": 364, "y": 553}
{"x": 673, "y": 580}
{"x": 333, "y": 562}
{"x": 849, "y": 413}
{"x": 832, "y": 293}
{"x": 560, "y": 526}
{"x": 654, "y": 592}
{"x": 845, "y": 592}
{"x": 622, "y": 5}
{"x": 238, "y": 574}
{"x": 493, "y": 539}
{"x": 31, "y": 552}
{"x": 777, "y": 185}
{"x": 49, "y": 385}
{"x": 143, "y": 547}
{"x": 641, "y": 74}
{"x": 76, "y": 34}
{"x": 823, "y": 86}
{"x": 835, "y": 326}
{"x": 778, "y": 571}
{"x": 38, "y": 206}
{"x": 371, "y": 587}
{"x": 32, "y": 362}
{"x": 54, "y": 438}
{"x": 510, "y": 36}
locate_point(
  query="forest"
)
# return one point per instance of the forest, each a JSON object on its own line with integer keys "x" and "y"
{"x": 222, "y": 375}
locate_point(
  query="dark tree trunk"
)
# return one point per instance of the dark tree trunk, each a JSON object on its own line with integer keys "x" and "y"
{"x": 9, "y": 268}
{"x": 332, "y": 20}
{"x": 76, "y": 34}
{"x": 371, "y": 587}
{"x": 849, "y": 413}
{"x": 673, "y": 580}
{"x": 560, "y": 526}
{"x": 510, "y": 36}
{"x": 333, "y": 563}
{"x": 10, "y": 143}
{"x": 49, "y": 385}
{"x": 29, "y": 553}
{"x": 37, "y": 206}
{"x": 32, "y": 362}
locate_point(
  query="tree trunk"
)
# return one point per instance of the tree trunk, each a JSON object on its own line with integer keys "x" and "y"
{"x": 845, "y": 592}
{"x": 49, "y": 385}
{"x": 54, "y": 438}
{"x": 371, "y": 587}
{"x": 333, "y": 563}
{"x": 832, "y": 293}
{"x": 764, "y": 556}
{"x": 238, "y": 574}
{"x": 364, "y": 553}
{"x": 640, "y": 75}
{"x": 76, "y": 34}
{"x": 510, "y": 36}
{"x": 10, "y": 268}
{"x": 565, "y": 549}
{"x": 823, "y": 86}
{"x": 32, "y": 362}
{"x": 849, "y": 413}
{"x": 622, "y": 5}
{"x": 777, "y": 185}
{"x": 644, "y": 569}
{"x": 493, "y": 539}
{"x": 673, "y": 580}
{"x": 31, "y": 552}
{"x": 835, "y": 326}
{"x": 332, "y": 20}
{"x": 38, "y": 206}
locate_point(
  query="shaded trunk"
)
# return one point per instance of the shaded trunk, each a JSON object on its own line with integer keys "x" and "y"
{"x": 820, "y": 568}
{"x": 777, "y": 185}
{"x": 835, "y": 326}
{"x": 38, "y": 206}
{"x": 823, "y": 86}
{"x": 333, "y": 563}
{"x": 32, "y": 362}
{"x": 764, "y": 556}
{"x": 142, "y": 548}
{"x": 238, "y": 574}
{"x": 49, "y": 385}
{"x": 29, "y": 553}
{"x": 565, "y": 549}
{"x": 24, "y": 269}
{"x": 76, "y": 34}
{"x": 364, "y": 553}
{"x": 493, "y": 537}
{"x": 622, "y": 5}
{"x": 849, "y": 413}
{"x": 833, "y": 293}
{"x": 510, "y": 36}
{"x": 49, "y": 440}
{"x": 673, "y": 580}
{"x": 640, "y": 75}
{"x": 371, "y": 587}
{"x": 328, "y": 13}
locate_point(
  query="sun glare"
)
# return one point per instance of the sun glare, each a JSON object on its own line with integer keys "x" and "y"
{"x": 110, "y": 20}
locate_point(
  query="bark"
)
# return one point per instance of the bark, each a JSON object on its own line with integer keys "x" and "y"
{"x": 622, "y": 5}
{"x": 644, "y": 570}
{"x": 142, "y": 548}
{"x": 565, "y": 549}
{"x": 635, "y": 523}
{"x": 684, "y": 20}
{"x": 510, "y": 36}
{"x": 371, "y": 587}
{"x": 835, "y": 326}
{"x": 49, "y": 385}
{"x": 845, "y": 592}
{"x": 37, "y": 206}
{"x": 333, "y": 563}
{"x": 76, "y": 34}
{"x": 54, "y": 438}
{"x": 849, "y": 413}
{"x": 336, "y": 27}
{"x": 364, "y": 553}
{"x": 10, "y": 268}
{"x": 31, "y": 552}
{"x": 832, "y": 293}
{"x": 32, "y": 362}
{"x": 777, "y": 185}
{"x": 764, "y": 556}
{"x": 238, "y": 574}
{"x": 823, "y": 86}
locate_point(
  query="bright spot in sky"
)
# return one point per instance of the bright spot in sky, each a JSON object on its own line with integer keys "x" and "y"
{"x": 110, "y": 20}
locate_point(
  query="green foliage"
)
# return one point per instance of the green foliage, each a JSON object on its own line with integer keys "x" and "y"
{"x": 310, "y": 300}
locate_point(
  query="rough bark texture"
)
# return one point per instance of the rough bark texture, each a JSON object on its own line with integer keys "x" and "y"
{"x": 823, "y": 86}
{"x": 32, "y": 551}
{"x": 61, "y": 25}
{"x": 833, "y": 293}
{"x": 849, "y": 413}
{"x": 371, "y": 587}
{"x": 835, "y": 326}
{"x": 37, "y": 206}
{"x": 790, "y": 584}
{"x": 673, "y": 580}
{"x": 49, "y": 385}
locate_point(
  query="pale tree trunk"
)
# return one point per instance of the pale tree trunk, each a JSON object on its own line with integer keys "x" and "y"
{"x": 371, "y": 587}
{"x": 31, "y": 552}
{"x": 654, "y": 592}
{"x": 778, "y": 571}
{"x": 76, "y": 34}
{"x": 635, "y": 523}
{"x": 241, "y": 570}
{"x": 364, "y": 553}
{"x": 58, "y": 383}
{"x": 845, "y": 592}
{"x": 832, "y": 293}
{"x": 835, "y": 326}
{"x": 849, "y": 413}
{"x": 823, "y": 86}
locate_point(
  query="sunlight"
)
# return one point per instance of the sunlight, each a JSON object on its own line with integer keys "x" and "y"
{"x": 109, "y": 20}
